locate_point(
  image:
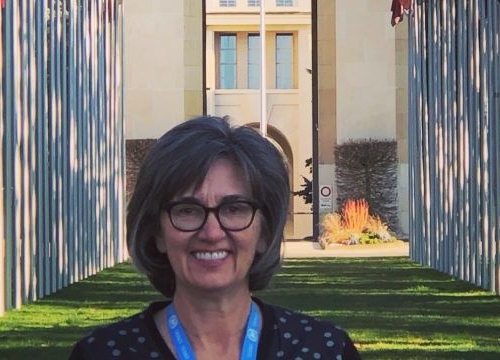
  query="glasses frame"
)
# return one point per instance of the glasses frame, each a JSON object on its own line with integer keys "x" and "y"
{"x": 207, "y": 210}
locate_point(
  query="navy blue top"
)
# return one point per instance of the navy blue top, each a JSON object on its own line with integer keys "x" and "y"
{"x": 285, "y": 335}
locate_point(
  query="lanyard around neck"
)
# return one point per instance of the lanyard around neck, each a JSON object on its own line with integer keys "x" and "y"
{"x": 184, "y": 349}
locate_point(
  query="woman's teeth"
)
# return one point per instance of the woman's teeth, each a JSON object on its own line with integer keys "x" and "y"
{"x": 216, "y": 255}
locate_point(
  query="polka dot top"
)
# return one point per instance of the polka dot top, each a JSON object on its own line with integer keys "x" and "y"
{"x": 285, "y": 335}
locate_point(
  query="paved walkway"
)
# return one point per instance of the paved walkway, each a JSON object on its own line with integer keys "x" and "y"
{"x": 301, "y": 249}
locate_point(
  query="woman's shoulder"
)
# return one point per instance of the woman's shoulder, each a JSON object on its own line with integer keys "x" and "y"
{"x": 129, "y": 338}
{"x": 300, "y": 335}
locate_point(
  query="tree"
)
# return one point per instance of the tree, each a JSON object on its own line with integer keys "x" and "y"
{"x": 306, "y": 192}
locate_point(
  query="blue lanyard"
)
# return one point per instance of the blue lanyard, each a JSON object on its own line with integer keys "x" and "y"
{"x": 185, "y": 351}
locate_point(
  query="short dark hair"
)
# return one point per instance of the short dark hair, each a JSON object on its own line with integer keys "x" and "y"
{"x": 181, "y": 159}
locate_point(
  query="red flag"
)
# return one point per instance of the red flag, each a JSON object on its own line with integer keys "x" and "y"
{"x": 3, "y": 4}
{"x": 399, "y": 8}
{"x": 110, "y": 10}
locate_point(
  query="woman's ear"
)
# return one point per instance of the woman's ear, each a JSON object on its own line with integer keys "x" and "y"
{"x": 160, "y": 243}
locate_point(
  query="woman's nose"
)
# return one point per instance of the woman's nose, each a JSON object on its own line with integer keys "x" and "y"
{"x": 212, "y": 228}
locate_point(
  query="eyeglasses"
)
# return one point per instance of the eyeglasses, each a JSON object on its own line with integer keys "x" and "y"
{"x": 232, "y": 216}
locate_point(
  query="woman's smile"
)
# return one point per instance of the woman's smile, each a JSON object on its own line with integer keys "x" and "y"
{"x": 210, "y": 255}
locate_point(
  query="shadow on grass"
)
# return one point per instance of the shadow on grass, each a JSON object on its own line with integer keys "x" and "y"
{"x": 48, "y": 328}
{"x": 429, "y": 355}
{"x": 391, "y": 307}
{"x": 48, "y": 344}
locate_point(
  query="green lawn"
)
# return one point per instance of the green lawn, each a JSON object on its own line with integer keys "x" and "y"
{"x": 391, "y": 307}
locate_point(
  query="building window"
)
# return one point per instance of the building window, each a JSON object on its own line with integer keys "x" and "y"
{"x": 253, "y": 2}
{"x": 253, "y": 61}
{"x": 238, "y": 60}
{"x": 227, "y": 3}
{"x": 284, "y": 61}
{"x": 227, "y": 61}
{"x": 284, "y": 2}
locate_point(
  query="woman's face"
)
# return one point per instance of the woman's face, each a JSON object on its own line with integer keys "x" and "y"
{"x": 212, "y": 259}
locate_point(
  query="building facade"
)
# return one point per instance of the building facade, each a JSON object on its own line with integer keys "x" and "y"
{"x": 335, "y": 71}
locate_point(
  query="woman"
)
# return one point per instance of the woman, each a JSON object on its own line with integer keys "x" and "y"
{"x": 205, "y": 224}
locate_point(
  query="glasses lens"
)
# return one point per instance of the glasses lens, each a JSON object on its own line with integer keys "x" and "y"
{"x": 236, "y": 215}
{"x": 187, "y": 216}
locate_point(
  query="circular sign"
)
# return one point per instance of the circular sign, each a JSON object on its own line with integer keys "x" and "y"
{"x": 325, "y": 191}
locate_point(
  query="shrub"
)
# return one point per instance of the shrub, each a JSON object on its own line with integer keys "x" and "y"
{"x": 355, "y": 215}
{"x": 376, "y": 226}
{"x": 332, "y": 230}
{"x": 353, "y": 225}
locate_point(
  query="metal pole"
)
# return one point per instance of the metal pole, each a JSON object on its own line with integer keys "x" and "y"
{"x": 315, "y": 135}
{"x": 263, "y": 103}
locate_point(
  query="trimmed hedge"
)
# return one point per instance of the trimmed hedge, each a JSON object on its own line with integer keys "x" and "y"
{"x": 367, "y": 169}
{"x": 136, "y": 150}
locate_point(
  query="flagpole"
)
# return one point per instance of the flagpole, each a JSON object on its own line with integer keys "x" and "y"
{"x": 263, "y": 102}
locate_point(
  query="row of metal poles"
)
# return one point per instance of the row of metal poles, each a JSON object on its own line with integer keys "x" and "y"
{"x": 454, "y": 138}
{"x": 61, "y": 144}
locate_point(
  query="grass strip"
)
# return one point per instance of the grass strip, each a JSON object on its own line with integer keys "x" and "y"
{"x": 391, "y": 307}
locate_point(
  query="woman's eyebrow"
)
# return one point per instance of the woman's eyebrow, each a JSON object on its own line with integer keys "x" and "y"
{"x": 188, "y": 199}
{"x": 235, "y": 197}
{"x": 224, "y": 199}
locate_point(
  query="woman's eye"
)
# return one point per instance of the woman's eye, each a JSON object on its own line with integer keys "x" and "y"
{"x": 235, "y": 209}
{"x": 187, "y": 210}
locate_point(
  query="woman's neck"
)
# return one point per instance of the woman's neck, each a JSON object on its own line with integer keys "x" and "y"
{"x": 214, "y": 325}
{"x": 213, "y": 316}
